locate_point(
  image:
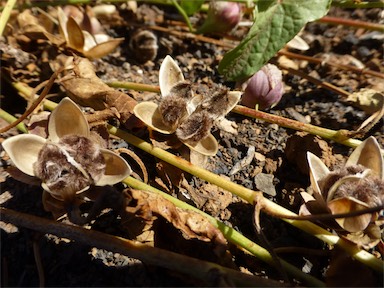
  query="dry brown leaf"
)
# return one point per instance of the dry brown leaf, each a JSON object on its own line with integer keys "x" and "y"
{"x": 170, "y": 176}
{"x": 191, "y": 224}
{"x": 85, "y": 88}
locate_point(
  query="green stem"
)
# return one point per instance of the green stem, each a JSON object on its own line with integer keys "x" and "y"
{"x": 134, "y": 86}
{"x": 5, "y": 15}
{"x": 184, "y": 14}
{"x": 10, "y": 119}
{"x": 329, "y": 134}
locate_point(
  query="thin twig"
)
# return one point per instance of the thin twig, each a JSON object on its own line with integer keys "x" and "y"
{"x": 314, "y": 80}
{"x": 352, "y": 23}
{"x": 331, "y": 63}
{"x": 44, "y": 93}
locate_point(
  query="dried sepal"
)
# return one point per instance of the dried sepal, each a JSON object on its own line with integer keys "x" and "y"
{"x": 149, "y": 113}
{"x": 169, "y": 75}
{"x": 23, "y": 150}
{"x": 207, "y": 146}
{"x": 116, "y": 170}
{"x": 67, "y": 119}
{"x": 347, "y": 205}
{"x": 75, "y": 38}
{"x": 317, "y": 171}
{"x": 368, "y": 154}
{"x": 102, "y": 48}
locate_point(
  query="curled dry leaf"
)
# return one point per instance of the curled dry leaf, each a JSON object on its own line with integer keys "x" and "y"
{"x": 84, "y": 87}
{"x": 191, "y": 224}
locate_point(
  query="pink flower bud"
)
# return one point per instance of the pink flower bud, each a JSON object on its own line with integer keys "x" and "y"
{"x": 264, "y": 88}
{"x": 222, "y": 17}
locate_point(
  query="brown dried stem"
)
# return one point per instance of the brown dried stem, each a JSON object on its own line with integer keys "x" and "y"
{"x": 352, "y": 23}
{"x": 333, "y": 64}
{"x": 44, "y": 93}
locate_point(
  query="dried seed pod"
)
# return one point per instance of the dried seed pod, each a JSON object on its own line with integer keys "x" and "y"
{"x": 216, "y": 104}
{"x": 358, "y": 185}
{"x": 143, "y": 45}
{"x": 69, "y": 166}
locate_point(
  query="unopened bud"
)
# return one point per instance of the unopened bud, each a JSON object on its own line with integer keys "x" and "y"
{"x": 264, "y": 89}
{"x": 222, "y": 17}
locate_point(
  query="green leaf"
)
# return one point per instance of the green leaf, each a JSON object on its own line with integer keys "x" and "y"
{"x": 191, "y": 6}
{"x": 275, "y": 25}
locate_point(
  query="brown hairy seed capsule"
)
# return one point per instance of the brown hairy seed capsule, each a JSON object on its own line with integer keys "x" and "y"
{"x": 173, "y": 107}
{"x": 369, "y": 190}
{"x": 69, "y": 166}
{"x": 182, "y": 89}
{"x": 216, "y": 104}
{"x": 143, "y": 45}
{"x": 173, "y": 110}
{"x": 196, "y": 127}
